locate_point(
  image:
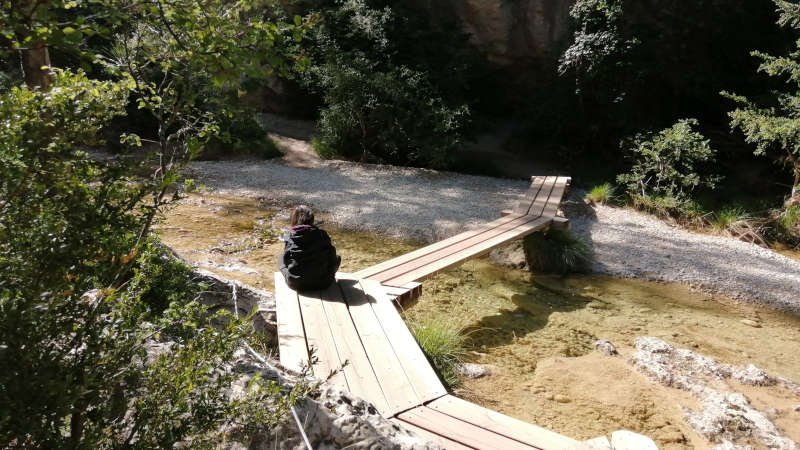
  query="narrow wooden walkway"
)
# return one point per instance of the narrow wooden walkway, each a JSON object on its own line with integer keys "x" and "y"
{"x": 352, "y": 334}
{"x": 534, "y": 212}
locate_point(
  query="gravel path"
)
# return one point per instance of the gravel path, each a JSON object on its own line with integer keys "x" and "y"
{"x": 428, "y": 205}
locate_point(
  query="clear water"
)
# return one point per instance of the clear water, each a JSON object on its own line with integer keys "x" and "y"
{"x": 535, "y": 333}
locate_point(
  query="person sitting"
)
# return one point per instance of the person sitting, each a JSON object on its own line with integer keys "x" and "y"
{"x": 309, "y": 260}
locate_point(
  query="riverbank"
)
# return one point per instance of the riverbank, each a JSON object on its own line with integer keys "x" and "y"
{"x": 428, "y": 205}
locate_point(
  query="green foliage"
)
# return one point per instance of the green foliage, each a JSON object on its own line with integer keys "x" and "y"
{"x": 666, "y": 163}
{"x": 392, "y": 116}
{"x": 376, "y": 109}
{"x": 557, "y": 251}
{"x": 602, "y": 194}
{"x": 53, "y": 195}
{"x": 101, "y": 341}
{"x": 159, "y": 279}
{"x": 443, "y": 344}
{"x": 728, "y": 217}
{"x": 241, "y": 135}
{"x": 790, "y": 220}
{"x": 685, "y": 210}
{"x": 642, "y": 64}
{"x": 775, "y": 130}
{"x": 598, "y": 42}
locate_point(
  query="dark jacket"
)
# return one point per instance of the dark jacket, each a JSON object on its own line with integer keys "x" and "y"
{"x": 309, "y": 260}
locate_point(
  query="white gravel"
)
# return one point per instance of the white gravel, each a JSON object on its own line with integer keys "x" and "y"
{"x": 428, "y": 206}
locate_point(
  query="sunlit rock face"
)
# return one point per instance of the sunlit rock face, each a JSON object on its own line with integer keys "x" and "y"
{"x": 510, "y": 32}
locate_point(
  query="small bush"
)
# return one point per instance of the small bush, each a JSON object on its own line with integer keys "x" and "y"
{"x": 241, "y": 135}
{"x": 557, "y": 251}
{"x": 685, "y": 211}
{"x": 323, "y": 149}
{"x": 666, "y": 163}
{"x": 789, "y": 222}
{"x": 728, "y": 217}
{"x": 601, "y": 194}
{"x": 444, "y": 346}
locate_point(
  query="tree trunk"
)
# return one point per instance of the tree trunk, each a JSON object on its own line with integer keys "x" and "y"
{"x": 36, "y": 66}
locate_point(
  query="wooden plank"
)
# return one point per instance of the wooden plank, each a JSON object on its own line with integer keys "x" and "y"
{"x": 555, "y": 197}
{"x": 421, "y": 375}
{"x": 392, "y": 379}
{"x": 434, "y": 438}
{"x": 372, "y": 270}
{"x": 538, "y": 205}
{"x": 460, "y": 431}
{"x": 361, "y": 379}
{"x": 392, "y": 273}
{"x": 292, "y": 347}
{"x": 431, "y": 266}
{"x": 499, "y": 423}
{"x": 404, "y": 296}
{"x": 524, "y": 204}
{"x": 321, "y": 341}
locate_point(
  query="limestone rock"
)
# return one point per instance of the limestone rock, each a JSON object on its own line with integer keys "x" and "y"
{"x": 606, "y": 347}
{"x": 471, "y": 370}
{"x": 510, "y": 32}
{"x": 224, "y": 293}
{"x": 598, "y": 443}
{"x": 730, "y": 416}
{"x": 724, "y": 416}
{"x": 728, "y": 445}
{"x": 511, "y": 255}
{"x": 753, "y": 376}
{"x": 338, "y": 420}
{"x": 628, "y": 440}
{"x": 751, "y": 323}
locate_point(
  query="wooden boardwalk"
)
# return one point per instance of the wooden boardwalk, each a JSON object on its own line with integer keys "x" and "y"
{"x": 534, "y": 212}
{"x": 352, "y": 334}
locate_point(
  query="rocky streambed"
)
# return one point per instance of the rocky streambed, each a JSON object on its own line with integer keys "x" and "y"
{"x": 538, "y": 345}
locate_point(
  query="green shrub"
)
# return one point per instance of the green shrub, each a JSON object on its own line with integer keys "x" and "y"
{"x": 684, "y": 210}
{"x": 557, "y": 251}
{"x": 443, "y": 345}
{"x": 322, "y": 148}
{"x": 790, "y": 220}
{"x": 601, "y": 194}
{"x": 376, "y": 109}
{"x": 728, "y": 217}
{"x": 666, "y": 163}
{"x": 241, "y": 135}
{"x": 103, "y": 343}
{"x": 390, "y": 116}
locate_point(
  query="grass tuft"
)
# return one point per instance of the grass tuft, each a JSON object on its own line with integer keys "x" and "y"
{"x": 323, "y": 149}
{"x": 557, "y": 251}
{"x": 443, "y": 344}
{"x": 600, "y": 194}
{"x": 728, "y": 218}
{"x": 790, "y": 218}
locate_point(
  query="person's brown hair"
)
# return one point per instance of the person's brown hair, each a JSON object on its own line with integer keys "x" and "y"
{"x": 302, "y": 215}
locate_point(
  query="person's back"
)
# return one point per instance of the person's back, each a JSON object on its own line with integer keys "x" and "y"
{"x": 309, "y": 260}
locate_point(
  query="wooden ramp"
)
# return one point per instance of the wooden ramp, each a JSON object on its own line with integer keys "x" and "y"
{"x": 354, "y": 325}
{"x": 352, "y": 335}
{"x": 534, "y": 212}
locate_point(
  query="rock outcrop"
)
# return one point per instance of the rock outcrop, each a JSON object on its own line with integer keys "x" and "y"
{"x": 510, "y": 32}
{"x": 726, "y": 417}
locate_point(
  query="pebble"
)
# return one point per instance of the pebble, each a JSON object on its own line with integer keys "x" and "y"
{"x": 751, "y": 323}
{"x": 606, "y": 347}
{"x": 562, "y": 399}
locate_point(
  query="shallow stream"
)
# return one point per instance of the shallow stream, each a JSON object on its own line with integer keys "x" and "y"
{"x": 536, "y": 334}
